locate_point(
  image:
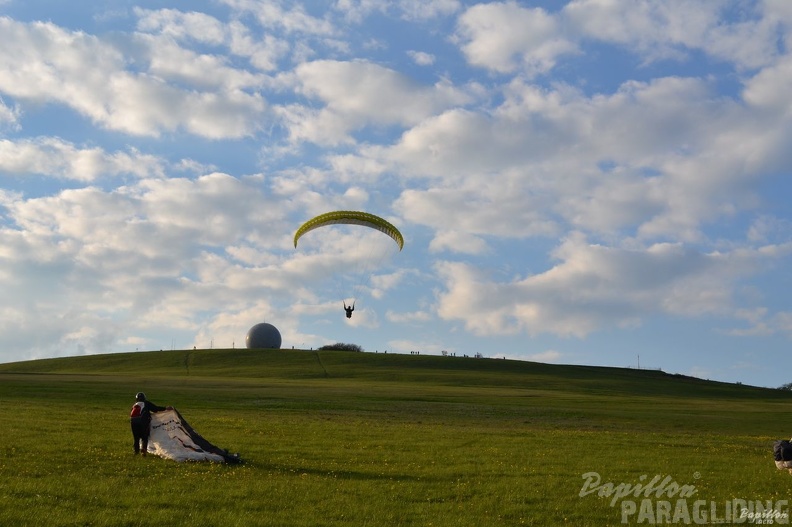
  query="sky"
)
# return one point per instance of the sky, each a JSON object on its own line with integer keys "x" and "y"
{"x": 599, "y": 182}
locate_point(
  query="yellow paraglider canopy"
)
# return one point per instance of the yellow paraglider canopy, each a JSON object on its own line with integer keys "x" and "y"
{"x": 351, "y": 217}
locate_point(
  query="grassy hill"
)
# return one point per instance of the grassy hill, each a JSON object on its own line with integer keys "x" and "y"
{"x": 342, "y": 438}
{"x": 426, "y": 369}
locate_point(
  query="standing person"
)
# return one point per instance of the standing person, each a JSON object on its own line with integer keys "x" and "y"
{"x": 140, "y": 420}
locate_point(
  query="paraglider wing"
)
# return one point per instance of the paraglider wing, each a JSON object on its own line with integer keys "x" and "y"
{"x": 351, "y": 217}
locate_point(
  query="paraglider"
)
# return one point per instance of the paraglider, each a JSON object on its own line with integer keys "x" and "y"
{"x": 350, "y": 217}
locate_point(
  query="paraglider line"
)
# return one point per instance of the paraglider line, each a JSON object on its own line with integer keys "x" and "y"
{"x": 321, "y": 364}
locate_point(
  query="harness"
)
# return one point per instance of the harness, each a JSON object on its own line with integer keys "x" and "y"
{"x": 137, "y": 409}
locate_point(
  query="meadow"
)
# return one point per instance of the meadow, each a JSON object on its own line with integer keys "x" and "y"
{"x": 364, "y": 439}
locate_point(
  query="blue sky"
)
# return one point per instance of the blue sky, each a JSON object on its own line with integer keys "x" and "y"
{"x": 589, "y": 182}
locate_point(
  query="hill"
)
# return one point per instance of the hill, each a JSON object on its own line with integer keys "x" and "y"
{"x": 384, "y": 367}
{"x": 339, "y": 438}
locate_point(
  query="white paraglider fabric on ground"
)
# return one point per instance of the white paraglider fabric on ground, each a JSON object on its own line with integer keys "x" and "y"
{"x": 782, "y": 451}
{"x": 784, "y": 465}
{"x": 173, "y": 438}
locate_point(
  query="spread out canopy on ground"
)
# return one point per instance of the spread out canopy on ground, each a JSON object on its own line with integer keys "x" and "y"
{"x": 351, "y": 217}
{"x": 173, "y": 438}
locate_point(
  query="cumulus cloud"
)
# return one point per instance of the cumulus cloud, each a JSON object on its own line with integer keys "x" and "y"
{"x": 357, "y": 11}
{"x": 264, "y": 52}
{"x": 173, "y": 26}
{"x": 410, "y": 345}
{"x": 415, "y": 316}
{"x": 422, "y": 58}
{"x": 50, "y": 156}
{"x": 171, "y": 62}
{"x": 769, "y": 229}
{"x": 463, "y": 215}
{"x": 46, "y": 63}
{"x": 131, "y": 261}
{"x": 657, "y": 160}
{"x": 424, "y": 10}
{"x": 9, "y": 117}
{"x": 762, "y": 90}
{"x": 595, "y": 286}
{"x": 544, "y": 356}
{"x": 506, "y": 37}
{"x": 272, "y": 14}
{"x": 180, "y": 25}
{"x": 358, "y": 94}
{"x": 664, "y": 29}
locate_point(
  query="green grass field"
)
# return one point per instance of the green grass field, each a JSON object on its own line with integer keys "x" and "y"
{"x": 334, "y": 438}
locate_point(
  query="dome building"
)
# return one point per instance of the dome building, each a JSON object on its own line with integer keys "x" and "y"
{"x": 263, "y": 335}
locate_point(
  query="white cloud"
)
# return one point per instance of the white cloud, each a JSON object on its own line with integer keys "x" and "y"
{"x": 650, "y": 27}
{"x": 422, "y": 58}
{"x": 595, "y": 287}
{"x": 462, "y": 215}
{"x": 760, "y": 322}
{"x": 134, "y": 261}
{"x": 382, "y": 283}
{"x": 409, "y": 345}
{"x": 272, "y": 14}
{"x": 176, "y": 26}
{"x": 45, "y": 63}
{"x": 181, "y": 25}
{"x": 769, "y": 229}
{"x": 358, "y": 94}
{"x": 506, "y": 37}
{"x": 173, "y": 63}
{"x": 51, "y": 156}
{"x": 428, "y": 9}
{"x": 456, "y": 241}
{"x": 454, "y": 144}
{"x": 372, "y": 93}
{"x": 544, "y": 356}
{"x": 672, "y": 29}
{"x": 9, "y": 117}
{"x": 765, "y": 90}
{"x": 661, "y": 160}
{"x": 264, "y": 52}
{"x": 782, "y": 322}
{"x": 414, "y": 316}
{"x": 356, "y": 11}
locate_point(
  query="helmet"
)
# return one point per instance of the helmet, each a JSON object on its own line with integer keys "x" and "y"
{"x": 140, "y": 396}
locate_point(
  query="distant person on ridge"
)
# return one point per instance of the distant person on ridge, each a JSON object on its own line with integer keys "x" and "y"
{"x": 140, "y": 420}
{"x": 349, "y": 309}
